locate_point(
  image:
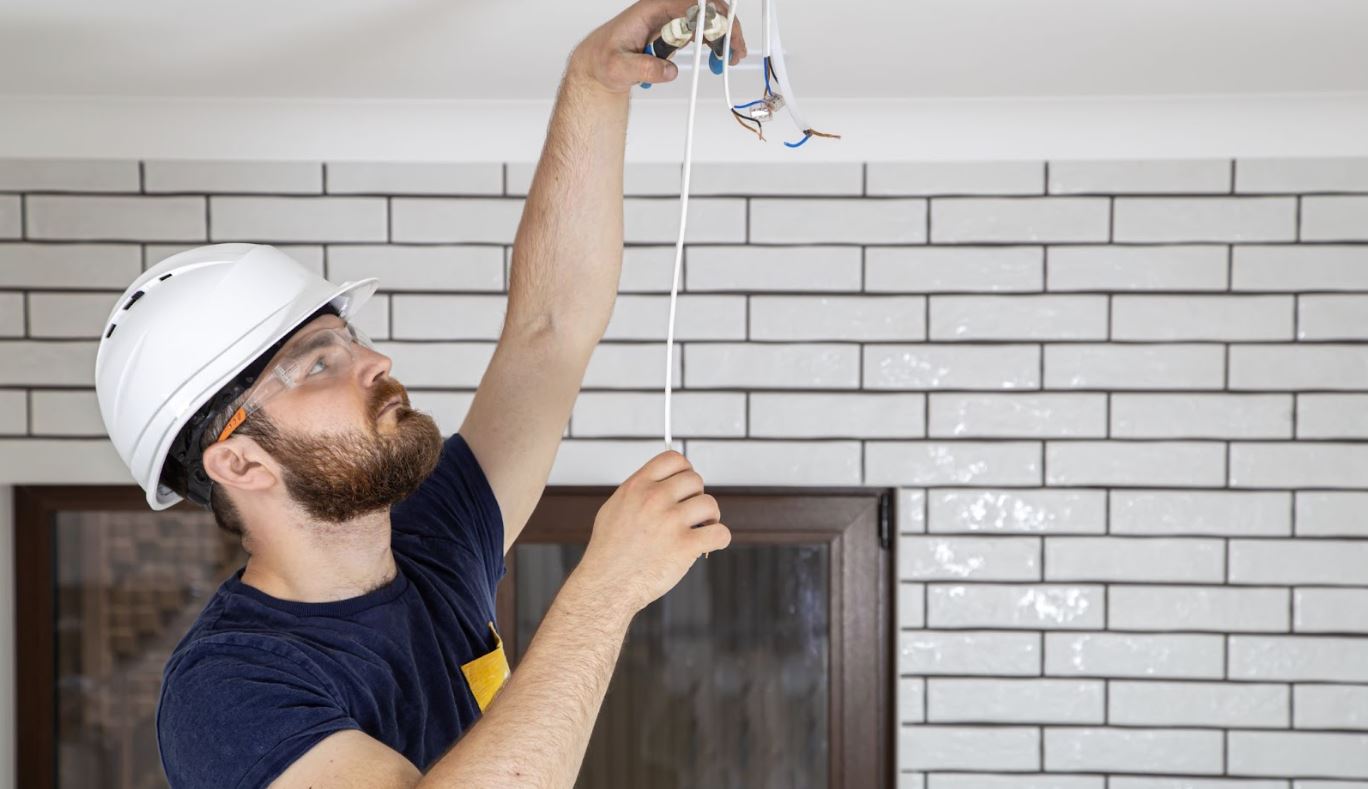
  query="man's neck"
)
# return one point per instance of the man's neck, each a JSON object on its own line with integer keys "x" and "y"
{"x": 314, "y": 563}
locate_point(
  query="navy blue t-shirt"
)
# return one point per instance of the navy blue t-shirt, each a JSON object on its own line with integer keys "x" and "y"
{"x": 258, "y": 681}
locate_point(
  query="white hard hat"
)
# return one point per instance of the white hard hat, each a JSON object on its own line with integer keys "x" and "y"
{"x": 199, "y": 324}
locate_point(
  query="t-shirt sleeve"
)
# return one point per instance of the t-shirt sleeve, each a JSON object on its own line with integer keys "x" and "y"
{"x": 456, "y": 504}
{"x": 236, "y": 715}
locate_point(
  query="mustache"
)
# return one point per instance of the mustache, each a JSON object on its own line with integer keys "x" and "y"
{"x": 385, "y": 391}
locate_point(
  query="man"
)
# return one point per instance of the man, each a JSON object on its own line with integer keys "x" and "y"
{"x": 357, "y": 647}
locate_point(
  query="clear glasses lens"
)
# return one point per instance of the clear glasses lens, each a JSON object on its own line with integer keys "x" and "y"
{"x": 324, "y": 355}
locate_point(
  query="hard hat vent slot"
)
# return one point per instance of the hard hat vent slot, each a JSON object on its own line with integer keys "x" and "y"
{"x": 134, "y": 298}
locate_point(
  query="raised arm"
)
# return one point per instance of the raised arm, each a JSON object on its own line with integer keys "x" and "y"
{"x": 567, "y": 258}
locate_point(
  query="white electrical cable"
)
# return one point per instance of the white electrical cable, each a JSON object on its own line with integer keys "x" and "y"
{"x": 726, "y": 56}
{"x": 781, "y": 69}
{"x": 700, "y": 23}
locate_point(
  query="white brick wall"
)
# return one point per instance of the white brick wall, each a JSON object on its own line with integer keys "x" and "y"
{"x": 1123, "y": 406}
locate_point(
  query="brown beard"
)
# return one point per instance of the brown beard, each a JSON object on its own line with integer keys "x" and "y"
{"x": 337, "y": 477}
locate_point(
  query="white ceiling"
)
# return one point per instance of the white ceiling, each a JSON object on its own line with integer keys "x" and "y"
{"x": 514, "y": 49}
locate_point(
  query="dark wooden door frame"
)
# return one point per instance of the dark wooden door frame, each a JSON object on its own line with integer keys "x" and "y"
{"x": 863, "y": 631}
{"x": 856, "y": 526}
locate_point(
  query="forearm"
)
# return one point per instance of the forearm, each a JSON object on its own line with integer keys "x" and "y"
{"x": 535, "y": 732}
{"x": 567, "y": 255}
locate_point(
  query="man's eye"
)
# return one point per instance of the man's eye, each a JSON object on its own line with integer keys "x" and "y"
{"x": 319, "y": 365}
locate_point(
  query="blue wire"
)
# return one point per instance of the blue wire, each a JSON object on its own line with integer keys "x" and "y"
{"x": 748, "y": 104}
{"x": 799, "y": 144}
{"x": 766, "y": 68}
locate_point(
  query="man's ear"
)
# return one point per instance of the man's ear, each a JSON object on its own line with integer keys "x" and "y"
{"x": 239, "y": 463}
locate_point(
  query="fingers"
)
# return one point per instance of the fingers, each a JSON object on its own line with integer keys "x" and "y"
{"x": 686, "y": 484}
{"x": 665, "y": 465}
{"x": 645, "y": 68}
{"x": 701, "y": 509}
{"x": 659, "y": 12}
{"x": 713, "y": 537}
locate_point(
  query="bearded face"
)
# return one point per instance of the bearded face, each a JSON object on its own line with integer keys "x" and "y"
{"x": 337, "y": 476}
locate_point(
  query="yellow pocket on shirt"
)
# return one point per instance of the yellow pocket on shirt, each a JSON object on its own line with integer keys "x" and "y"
{"x": 487, "y": 673}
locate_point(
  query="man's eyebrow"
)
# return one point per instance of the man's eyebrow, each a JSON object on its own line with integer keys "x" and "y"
{"x": 312, "y": 340}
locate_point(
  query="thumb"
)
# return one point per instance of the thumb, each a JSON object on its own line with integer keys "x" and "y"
{"x": 649, "y": 68}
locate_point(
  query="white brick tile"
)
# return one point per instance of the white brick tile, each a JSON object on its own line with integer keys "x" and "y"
{"x": 68, "y": 175}
{"x": 69, "y": 315}
{"x": 374, "y": 317}
{"x": 1018, "y": 511}
{"x": 1331, "y": 514}
{"x": 415, "y": 178}
{"x": 1179, "y": 219}
{"x": 910, "y": 510}
{"x": 911, "y": 691}
{"x": 1015, "y": 701}
{"x": 1294, "y": 367}
{"x": 1126, "y": 268}
{"x": 13, "y": 412}
{"x": 1173, "y": 608}
{"x": 70, "y": 266}
{"x": 1312, "y": 174}
{"x": 1015, "y": 606}
{"x": 1331, "y": 611}
{"x": 906, "y": 780}
{"x": 36, "y": 461}
{"x": 448, "y": 408}
{"x": 638, "y": 178}
{"x": 939, "y": 558}
{"x": 1198, "y": 704}
{"x": 1232, "y": 318}
{"x": 1086, "y": 366}
{"x": 634, "y": 366}
{"x": 1299, "y": 562}
{"x": 911, "y": 605}
{"x": 969, "y": 652}
{"x": 1016, "y": 781}
{"x": 594, "y": 462}
{"x": 942, "y": 269}
{"x": 872, "y": 318}
{"x": 1332, "y": 416}
{"x": 1019, "y": 317}
{"x": 1299, "y": 658}
{"x": 1221, "y": 513}
{"x": 1330, "y": 707}
{"x": 1312, "y": 784}
{"x": 67, "y": 412}
{"x": 123, "y": 218}
{"x": 11, "y": 213}
{"x": 1019, "y": 220}
{"x": 448, "y": 317}
{"x": 419, "y": 267}
{"x": 298, "y": 219}
{"x": 1018, "y": 415}
{"x": 952, "y": 463}
{"x": 1201, "y": 416}
{"x": 1342, "y": 218}
{"x": 48, "y": 363}
{"x": 776, "y": 178}
{"x": 820, "y": 415}
{"x": 1185, "y": 782}
{"x": 770, "y": 268}
{"x": 233, "y": 176}
{"x": 1150, "y": 176}
{"x": 772, "y": 366}
{"x": 617, "y": 414}
{"x": 1125, "y": 464}
{"x": 1338, "y": 317}
{"x": 711, "y": 220}
{"x": 923, "y": 747}
{"x": 956, "y": 178}
{"x": 1323, "y": 754}
{"x": 777, "y": 462}
{"x": 814, "y": 221}
{"x": 1186, "y": 656}
{"x": 1283, "y": 465}
{"x": 1192, "y": 751}
{"x": 1136, "y": 559}
{"x": 12, "y": 316}
{"x": 438, "y": 364}
{"x": 1288, "y": 267}
{"x": 648, "y": 269}
{"x": 952, "y": 367}
{"x": 696, "y": 318}
{"x": 453, "y": 219}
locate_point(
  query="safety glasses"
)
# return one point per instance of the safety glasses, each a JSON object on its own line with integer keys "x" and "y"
{"x": 322, "y": 357}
